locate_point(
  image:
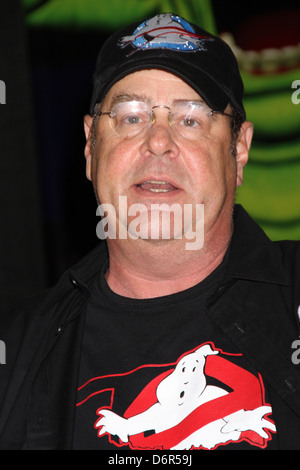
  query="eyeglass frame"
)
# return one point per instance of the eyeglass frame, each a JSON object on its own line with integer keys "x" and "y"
{"x": 112, "y": 114}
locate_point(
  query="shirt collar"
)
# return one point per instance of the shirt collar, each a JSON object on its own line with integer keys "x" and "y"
{"x": 252, "y": 255}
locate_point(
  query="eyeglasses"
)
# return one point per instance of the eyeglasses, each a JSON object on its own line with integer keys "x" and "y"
{"x": 190, "y": 119}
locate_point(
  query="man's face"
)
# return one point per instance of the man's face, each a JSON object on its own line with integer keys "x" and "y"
{"x": 159, "y": 165}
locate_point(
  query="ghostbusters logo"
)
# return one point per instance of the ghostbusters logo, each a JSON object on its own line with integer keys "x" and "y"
{"x": 181, "y": 409}
{"x": 165, "y": 31}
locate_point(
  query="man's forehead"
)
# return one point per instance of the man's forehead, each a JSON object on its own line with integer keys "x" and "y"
{"x": 147, "y": 84}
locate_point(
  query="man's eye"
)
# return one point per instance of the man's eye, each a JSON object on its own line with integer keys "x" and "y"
{"x": 190, "y": 122}
{"x": 133, "y": 119}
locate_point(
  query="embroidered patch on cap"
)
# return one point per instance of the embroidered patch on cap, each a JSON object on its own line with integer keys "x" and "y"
{"x": 165, "y": 31}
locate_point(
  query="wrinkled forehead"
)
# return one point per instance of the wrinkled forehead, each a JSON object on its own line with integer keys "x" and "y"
{"x": 152, "y": 85}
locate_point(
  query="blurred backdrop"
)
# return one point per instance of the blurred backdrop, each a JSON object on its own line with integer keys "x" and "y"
{"x": 48, "y": 50}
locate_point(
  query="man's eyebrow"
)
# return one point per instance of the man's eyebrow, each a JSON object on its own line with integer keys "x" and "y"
{"x": 124, "y": 97}
{"x": 199, "y": 101}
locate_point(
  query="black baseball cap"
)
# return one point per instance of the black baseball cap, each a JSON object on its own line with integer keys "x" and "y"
{"x": 171, "y": 43}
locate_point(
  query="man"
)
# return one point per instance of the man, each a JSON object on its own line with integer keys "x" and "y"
{"x": 177, "y": 332}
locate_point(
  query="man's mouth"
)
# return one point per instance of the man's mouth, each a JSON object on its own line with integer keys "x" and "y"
{"x": 156, "y": 186}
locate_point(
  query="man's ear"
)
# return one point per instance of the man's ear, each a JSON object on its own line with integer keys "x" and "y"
{"x": 88, "y": 122}
{"x": 242, "y": 149}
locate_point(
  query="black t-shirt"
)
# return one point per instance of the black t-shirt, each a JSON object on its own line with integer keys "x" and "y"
{"x": 156, "y": 374}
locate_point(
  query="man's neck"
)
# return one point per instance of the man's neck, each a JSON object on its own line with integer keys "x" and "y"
{"x": 159, "y": 270}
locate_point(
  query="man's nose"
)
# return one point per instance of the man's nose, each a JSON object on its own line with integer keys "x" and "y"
{"x": 159, "y": 140}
